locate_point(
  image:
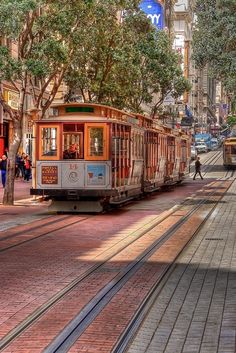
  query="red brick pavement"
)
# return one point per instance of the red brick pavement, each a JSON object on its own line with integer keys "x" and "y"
{"x": 62, "y": 313}
{"x": 34, "y": 271}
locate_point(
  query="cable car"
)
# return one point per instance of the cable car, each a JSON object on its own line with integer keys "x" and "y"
{"x": 229, "y": 152}
{"x": 90, "y": 156}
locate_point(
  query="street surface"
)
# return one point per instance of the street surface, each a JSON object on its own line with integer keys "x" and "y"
{"x": 57, "y": 269}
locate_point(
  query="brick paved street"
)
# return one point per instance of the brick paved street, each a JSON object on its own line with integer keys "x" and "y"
{"x": 195, "y": 311}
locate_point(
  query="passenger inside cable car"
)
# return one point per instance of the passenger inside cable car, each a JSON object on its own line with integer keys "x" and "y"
{"x": 73, "y": 152}
{"x": 73, "y": 141}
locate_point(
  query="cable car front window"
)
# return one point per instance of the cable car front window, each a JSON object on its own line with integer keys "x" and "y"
{"x": 49, "y": 141}
{"x": 96, "y": 141}
{"x": 73, "y": 143}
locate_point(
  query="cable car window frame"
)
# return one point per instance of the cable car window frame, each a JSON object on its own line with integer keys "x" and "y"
{"x": 73, "y": 150}
{"x": 57, "y": 139}
{"x": 106, "y": 142}
{"x": 76, "y": 153}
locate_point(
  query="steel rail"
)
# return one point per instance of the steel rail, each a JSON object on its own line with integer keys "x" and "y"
{"x": 40, "y": 235}
{"x": 29, "y": 230}
{"x": 231, "y": 172}
{"x": 208, "y": 168}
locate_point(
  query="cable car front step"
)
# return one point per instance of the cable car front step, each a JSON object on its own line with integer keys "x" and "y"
{"x": 71, "y": 206}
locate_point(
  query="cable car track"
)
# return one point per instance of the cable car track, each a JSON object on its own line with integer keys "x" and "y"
{"x": 208, "y": 164}
{"x": 211, "y": 161}
{"x": 139, "y": 316}
{"x": 77, "y": 326}
{"x": 110, "y": 289}
{"x": 230, "y": 174}
{"x": 33, "y": 228}
{"x": 54, "y": 299}
{"x": 12, "y": 236}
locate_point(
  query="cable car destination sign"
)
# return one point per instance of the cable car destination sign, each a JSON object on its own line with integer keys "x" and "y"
{"x": 154, "y": 11}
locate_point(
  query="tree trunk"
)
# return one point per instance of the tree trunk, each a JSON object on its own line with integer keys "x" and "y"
{"x": 8, "y": 197}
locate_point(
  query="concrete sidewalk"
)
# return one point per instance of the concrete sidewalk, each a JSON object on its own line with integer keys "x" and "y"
{"x": 26, "y": 208}
{"x": 196, "y": 309}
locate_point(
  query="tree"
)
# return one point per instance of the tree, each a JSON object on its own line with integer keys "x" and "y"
{"x": 102, "y": 48}
{"x": 163, "y": 69}
{"x": 214, "y": 40}
{"x": 45, "y": 34}
{"x": 125, "y": 63}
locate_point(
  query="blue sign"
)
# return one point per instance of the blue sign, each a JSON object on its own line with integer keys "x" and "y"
{"x": 154, "y": 11}
{"x": 188, "y": 112}
{"x": 96, "y": 174}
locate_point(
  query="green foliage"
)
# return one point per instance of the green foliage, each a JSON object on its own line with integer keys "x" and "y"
{"x": 119, "y": 62}
{"x": 124, "y": 64}
{"x": 215, "y": 39}
{"x": 46, "y": 33}
{"x": 231, "y": 120}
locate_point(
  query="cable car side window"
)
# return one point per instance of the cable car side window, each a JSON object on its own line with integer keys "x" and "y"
{"x": 96, "y": 141}
{"x": 49, "y": 141}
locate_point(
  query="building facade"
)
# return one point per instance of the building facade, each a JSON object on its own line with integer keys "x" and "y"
{"x": 206, "y": 103}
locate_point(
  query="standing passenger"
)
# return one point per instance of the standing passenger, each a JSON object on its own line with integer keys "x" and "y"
{"x": 197, "y": 168}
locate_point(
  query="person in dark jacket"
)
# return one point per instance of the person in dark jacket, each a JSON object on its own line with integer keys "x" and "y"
{"x": 197, "y": 168}
{"x": 22, "y": 164}
{"x": 28, "y": 165}
{"x": 3, "y": 167}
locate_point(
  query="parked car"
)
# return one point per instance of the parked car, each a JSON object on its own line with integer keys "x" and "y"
{"x": 201, "y": 147}
{"x": 193, "y": 152}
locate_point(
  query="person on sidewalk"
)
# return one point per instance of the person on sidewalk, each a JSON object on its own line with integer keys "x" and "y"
{"x": 28, "y": 165}
{"x": 22, "y": 165}
{"x": 197, "y": 168}
{"x": 3, "y": 167}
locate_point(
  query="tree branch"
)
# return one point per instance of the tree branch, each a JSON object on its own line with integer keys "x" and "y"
{"x": 56, "y": 85}
{"x": 26, "y": 32}
{"x": 14, "y": 85}
{"x": 44, "y": 87}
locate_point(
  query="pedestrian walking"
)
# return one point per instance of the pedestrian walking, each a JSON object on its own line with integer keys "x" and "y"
{"x": 3, "y": 167}
{"x": 28, "y": 165}
{"x": 22, "y": 165}
{"x": 197, "y": 168}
